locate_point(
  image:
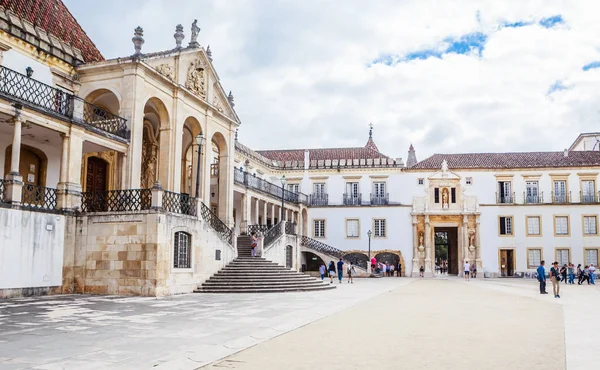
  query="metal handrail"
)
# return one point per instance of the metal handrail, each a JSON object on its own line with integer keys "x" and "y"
{"x": 225, "y": 233}
{"x": 379, "y": 200}
{"x": 38, "y": 198}
{"x": 258, "y": 229}
{"x": 104, "y": 120}
{"x": 589, "y": 198}
{"x": 272, "y": 234}
{"x": 316, "y": 245}
{"x": 251, "y": 181}
{"x": 2, "y": 190}
{"x": 505, "y": 199}
{"x": 533, "y": 199}
{"x": 319, "y": 199}
{"x": 352, "y": 199}
{"x": 116, "y": 200}
{"x": 561, "y": 198}
{"x": 290, "y": 228}
{"x": 179, "y": 203}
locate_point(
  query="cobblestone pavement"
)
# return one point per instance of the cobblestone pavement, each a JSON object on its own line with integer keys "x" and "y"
{"x": 444, "y": 324}
{"x": 179, "y": 332}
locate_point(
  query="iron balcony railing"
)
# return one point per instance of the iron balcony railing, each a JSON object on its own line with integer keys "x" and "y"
{"x": 273, "y": 234}
{"x": 589, "y": 198}
{"x": 561, "y": 198}
{"x": 316, "y": 245}
{"x": 256, "y": 183}
{"x": 533, "y": 198}
{"x": 225, "y": 233}
{"x": 2, "y": 190}
{"x": 380, "y": 199}
{"x": 352, "y": 199}
{"x": 258, "y": 229}
{"x": 116, "y": 200}
{"x": 38, "y": 198}
{"x": 290, "y": 228}
{"x": 179, "y": 203}
{"x": 505, "y": 198}
{"x": 18, "y": 87}
{"x": 319, "y": 199}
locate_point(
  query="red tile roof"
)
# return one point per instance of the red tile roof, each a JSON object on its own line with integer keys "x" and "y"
{"x": 53, "y": 17}
{"x": 511, "y": 160}
{"x": 321, "y": 154}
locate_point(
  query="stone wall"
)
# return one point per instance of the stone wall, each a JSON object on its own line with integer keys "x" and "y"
{"x": 31, "y": 252}
{"x": 276, "y": 252}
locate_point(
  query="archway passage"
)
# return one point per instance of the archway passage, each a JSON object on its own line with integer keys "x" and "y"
{"x": 96, "y": 175}
{"x": 311, "y": 262}
{"x": 359, "y": 259}
{"x": 388, "y": 258}
{"x": 446, "y": 250}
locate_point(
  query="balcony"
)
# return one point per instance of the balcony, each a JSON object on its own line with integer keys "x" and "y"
{"x": 256, "y": 183}
{"x": 352, "y": 199}
{"x": 561, "y": 198}
{"x": 380, "y": 199}
{"x": 19, "y": 88}
{"x": 319, "y": 200}
{"x": 589, "y": 198}
{"x": 505, "y": 198}
{"x": 533, "y": 199}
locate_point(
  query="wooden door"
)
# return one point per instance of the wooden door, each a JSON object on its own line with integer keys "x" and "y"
{"x": 507, "y": 265}
{"x": 96, "y": 175}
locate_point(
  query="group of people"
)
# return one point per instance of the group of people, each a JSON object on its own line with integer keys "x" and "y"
{"x": 565, "y": 273}
{"x": 332, "y": 271}
{"x": 386, "y": 269}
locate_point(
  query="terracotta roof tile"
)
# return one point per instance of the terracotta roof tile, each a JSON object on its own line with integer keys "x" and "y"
{"x": 511, "y": 160}
{"x": 53, "y": 17}
{"x": 322, "y": 154}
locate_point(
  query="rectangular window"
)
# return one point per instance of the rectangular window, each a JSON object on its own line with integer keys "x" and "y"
{"x": 534, "y": 258}
{"x": 590, "y": 225}
{"x": 533, "y": 225}
{"x": 469, "y": 181}
{"x": 380, "y": 228}
{"x": 319, "y": 229}
{"x": 436, "y": 195}
{"x": 379, "y": 189}
{"x": 504, "y": 192}
{"x": 591, "y": 256}
{"x": 562, "y": 256}
{"x": 352, "y": 228}
{"x": 506, "y": 225}
{"x": 561, "y": 225}
{"x": 560, "y": 191}
{"x": 294, "y": 188}
{"x": 420, "y": 181}
{"x": 532, "y": 192}
{"x": 319, "y": 189}
{"x": 352, "y": 189}
{"x": 181, "y": 250}
{"x": 588, "y": 191}
{"x": 453, "y": 195}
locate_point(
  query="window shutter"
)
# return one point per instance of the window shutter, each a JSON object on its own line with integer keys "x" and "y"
{"x": 436, "y": 195}
{"x": 453, "y": 195}
{"x": 502, "y": 225}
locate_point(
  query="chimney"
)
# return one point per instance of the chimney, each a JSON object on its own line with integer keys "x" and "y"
{"x": 566, "y": 153}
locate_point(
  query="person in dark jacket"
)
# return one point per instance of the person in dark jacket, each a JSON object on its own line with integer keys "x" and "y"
{"x": 399, "y": 269}
{"x": 331, "y": 270}
{"x": 541, "y": 276}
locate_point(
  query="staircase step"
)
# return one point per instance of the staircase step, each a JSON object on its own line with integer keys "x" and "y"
{"x": 263, "y": 290}
{"x": 249, "y": 280}
{"x": 262, "y": 283}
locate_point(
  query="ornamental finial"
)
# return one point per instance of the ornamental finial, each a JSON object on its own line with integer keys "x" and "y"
{"x": 236, "y": 134}
{"x": 138, "y": 40}
{"x": 370, "y": 130}
{"x": 179, "y": 36}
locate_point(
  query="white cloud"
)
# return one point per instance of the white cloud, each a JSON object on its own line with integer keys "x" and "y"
{"x": 301, "y": 77}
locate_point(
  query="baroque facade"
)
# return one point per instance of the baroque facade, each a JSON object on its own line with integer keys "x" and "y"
{"x": 126, "y": 176}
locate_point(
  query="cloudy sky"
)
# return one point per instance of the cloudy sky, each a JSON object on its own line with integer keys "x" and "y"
{"x": 448, "y": 76}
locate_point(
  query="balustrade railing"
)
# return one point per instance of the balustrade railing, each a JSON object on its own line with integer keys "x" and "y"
{"x": 505, "y": 198}
{"x": 38, "y": 198}
{"x": 258, "y": 229}
{"x": 533, "y": 198}
{"x": 589, "y": 198}
{"x": 2, "y": 190}
{"x": 290, "y": 228}
{"x": 272, "y": 234}
{"x": 26, "y": 90}
{"x": 320, "y": 247}
{"x": 352, "y": 199}
{"x": 561, "y": 198}
{"x": 179, "y": 203}
{"x": 116, "y": 200}
{"x": 244, "y": 178}
{"x": 380, "y": 199}
{"x": 319, "y": 200}
{"x": 225, "y": 233}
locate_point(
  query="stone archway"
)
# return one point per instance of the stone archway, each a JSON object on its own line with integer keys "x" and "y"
{"x": 391, "y": 256}
{"x": 311, "y": 261}
{"x": 358, "y": 258}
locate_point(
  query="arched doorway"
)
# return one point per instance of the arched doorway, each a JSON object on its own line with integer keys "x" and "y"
{"x": 189, "y": 157}
{"x": 311, "y": 262}
{"x": 156, "y": 141}
{"x": 219, "y": 167}
{"x": 96, "y": 175}
{"x": 359, "y": 259}
{"x": 32, "y": 165}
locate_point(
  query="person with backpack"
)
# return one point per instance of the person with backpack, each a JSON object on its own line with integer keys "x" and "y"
{"x": 563, "y": 273}
{"x": 541, "y": 276}
{"x": 351, "y": 272}
{"x": 331, "y": 270}
{"x": 340, "y": 269}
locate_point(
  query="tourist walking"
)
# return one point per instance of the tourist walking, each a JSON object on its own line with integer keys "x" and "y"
{"x": 592, "y": 273}
{"x": 563, "y": 273}
{"x": 571, "y": 273}
{"x": 474, "y": 270}
{"x": 253, "y": 244}
{"x": 383, "y": 269}
{"x": 322, "y": 270}
{"x": 340, "y": 270}
{"x": 541, "y": 276}
{"x": 555, "y": 279}
{"x": 399, "y": 270}
{"x": 580, "y": 274}
{"x": 467, "y": 270}
{"x": 422, "y": 271}
{"x": 351, "y": 272}
{"x": 373, "y": 264}
{"x": 586, "y": 275}
{"x": 391, "y": 270}
{"x": 331, "y": 270}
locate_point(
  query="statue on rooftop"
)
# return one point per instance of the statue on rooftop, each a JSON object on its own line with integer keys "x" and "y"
{"x": 194, "y": 38}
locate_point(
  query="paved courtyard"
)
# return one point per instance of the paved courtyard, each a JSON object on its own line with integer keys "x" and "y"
{"x": 391, "y": 323}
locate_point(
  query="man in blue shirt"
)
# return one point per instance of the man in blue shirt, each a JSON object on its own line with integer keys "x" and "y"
{"x": 340, "y": 269}
{"x": 541, "y": 276}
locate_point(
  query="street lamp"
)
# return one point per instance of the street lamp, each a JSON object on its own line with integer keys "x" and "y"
{"x": 369, "y": 233}
{"x": 283, "y": 182}
{"x": 200, "y": 141}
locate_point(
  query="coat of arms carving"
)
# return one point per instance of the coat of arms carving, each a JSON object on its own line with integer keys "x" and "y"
{"x": 165, "y": 70}
{"x": 195, "y": 78}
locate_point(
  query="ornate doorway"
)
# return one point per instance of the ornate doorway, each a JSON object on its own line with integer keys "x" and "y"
{"x": 446, "y": 249}
{"x": 96, "y": 175}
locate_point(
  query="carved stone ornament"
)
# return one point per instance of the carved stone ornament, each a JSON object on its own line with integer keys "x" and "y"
{"x": 217, "y": 103}
{"x": 165, "y": 70}
{"x": 421, "y": 241}
{"x": 444, "y": 166}
{"x": 472, "y": 240}
{"x": 195, "y": 80}
{"x": 194, "y": 38}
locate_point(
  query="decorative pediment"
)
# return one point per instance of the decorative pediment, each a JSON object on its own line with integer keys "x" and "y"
{"x": 444, "y": 174}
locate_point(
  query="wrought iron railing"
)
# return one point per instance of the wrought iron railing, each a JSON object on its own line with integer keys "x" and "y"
{"x": 316, "y": 245}
{"x": 225, "y": 233}
{"x": 380, "y": 199}
{"x": 273, "y": 234}
{"x": 533, "y": 198}
{"x": 116, "y": 200}
{"x": 352, "y": 199}
{"x": 589, "y": 198}
{"x": 258, "y": 229}
{"x": 244, "y": 178}
{"x": 505, "y": 198}
{"x": 103, "y": 120}
{"x": 20, "y": 88}
{"x": 179, "y": 203}
{"x": 38, "y": 198}
{"x": 561, "y": 198}
{"x": 2, "y": 190}
{"x": 319, "y": 199}
{"x": 290, "y": 228}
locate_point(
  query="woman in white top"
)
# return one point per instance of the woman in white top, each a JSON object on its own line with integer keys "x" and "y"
{"x": 467, "y": 270}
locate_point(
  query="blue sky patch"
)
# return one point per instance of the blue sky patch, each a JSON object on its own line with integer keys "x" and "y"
{"x": 591, "y": 65}
{"x": 556, "y": 86}
{"x": 516, "y": 24}
{"x": 467, "y": 43}
{"x": 551, "y": 21}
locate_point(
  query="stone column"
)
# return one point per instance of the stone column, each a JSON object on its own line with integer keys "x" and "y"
{"x": 273, "y": 214}
{"x": 428, "y": 247}
{"x": 14, "y": 180}
{"x": 61, "y": 191}
{"x": 415, "y": 260}
{"x": 465, "y": 242}
{"x": 194, "y": 175}
{"x": 69, "y": 187}
{"x": 16, "y": 146}
{"x": 243, "y": 214}
{"x": 256, "y": 211}
{"x": 478, "y": 244}
{"x": 264, "y": 213}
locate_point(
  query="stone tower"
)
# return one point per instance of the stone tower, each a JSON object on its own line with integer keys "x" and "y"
{"x": 412, "y": 157}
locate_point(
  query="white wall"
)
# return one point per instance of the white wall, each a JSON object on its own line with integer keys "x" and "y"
{"x": 31, "y": 249}
{"x": 18, "y": 62}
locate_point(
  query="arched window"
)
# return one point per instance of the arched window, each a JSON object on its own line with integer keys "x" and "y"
{"x": 182, "y": 250}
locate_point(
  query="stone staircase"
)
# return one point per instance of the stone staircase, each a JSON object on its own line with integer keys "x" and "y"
{"x": 247, "y": 274}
